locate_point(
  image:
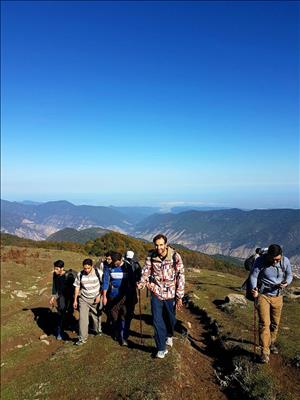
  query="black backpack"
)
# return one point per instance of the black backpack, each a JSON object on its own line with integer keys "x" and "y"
{"x": 248, "y": 263}
{"x": 134, "y": 267}
{"x": 248, "y": 291}
{"x": 70, "y": 278}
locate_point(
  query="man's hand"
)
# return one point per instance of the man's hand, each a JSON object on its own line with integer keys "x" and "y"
{"x": 104, "y": 300}
{"x": 140, "y": 285}
{"x": 283, "y": 285}
{"x": 75, "y": 304}
{"x": 254, "y": 292}
{"x": 178, "y": 304}
{"x": 52, "y": 301}
{"x": 97, "y": 299}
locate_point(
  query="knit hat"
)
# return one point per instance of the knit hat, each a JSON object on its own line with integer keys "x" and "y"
{"x": 129, "y": 254}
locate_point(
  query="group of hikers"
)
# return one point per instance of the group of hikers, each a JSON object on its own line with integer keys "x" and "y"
{"x": 114, "y": 285}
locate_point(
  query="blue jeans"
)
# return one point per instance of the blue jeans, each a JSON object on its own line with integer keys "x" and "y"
{"x": 164, "y": 320}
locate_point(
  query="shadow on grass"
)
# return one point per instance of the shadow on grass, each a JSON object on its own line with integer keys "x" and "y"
{"x": 146, "y": 318}
{"x": 219, "y": 302}
{"x": 242, "y": 341}
{"x": 47, "y": 320}
{"x": 138, "y": 335}
{"x": 142, "y": 347}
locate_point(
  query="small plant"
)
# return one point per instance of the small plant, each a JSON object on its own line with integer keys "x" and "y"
{"x": 257, "y": 383}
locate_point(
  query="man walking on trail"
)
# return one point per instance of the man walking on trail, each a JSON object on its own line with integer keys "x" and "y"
{"x": 88, "y": 285}
{"x": 271, "y": 273}
{"x": 62, "y": 295}
{"x": 119, "y": 294}
{"x": 163, "y": 275}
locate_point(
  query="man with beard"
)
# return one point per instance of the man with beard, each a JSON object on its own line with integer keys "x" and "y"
{"x": 163, "y": 275}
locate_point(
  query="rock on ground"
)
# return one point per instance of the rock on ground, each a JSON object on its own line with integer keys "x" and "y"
{"x": 236, "y": 299}
{"x": 20, "y": 293}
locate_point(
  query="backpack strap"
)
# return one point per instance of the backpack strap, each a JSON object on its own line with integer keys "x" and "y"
{"x": 80, "y": 278}
{"x": 174, "y": 258}
{"x": 98, "y": 276}
{"x": 282, "y": 264}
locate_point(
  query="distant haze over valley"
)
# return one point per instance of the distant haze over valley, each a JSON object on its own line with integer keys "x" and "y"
{"x": 211, "y": 230}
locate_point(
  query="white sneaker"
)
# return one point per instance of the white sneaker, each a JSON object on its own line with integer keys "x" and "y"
{"x": 161, "y": 354}
{"x": 169, "y": 341}
{"x": 80, "y": 342}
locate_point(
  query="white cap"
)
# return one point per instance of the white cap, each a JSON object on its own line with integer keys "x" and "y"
{"x": 129, "y": 254}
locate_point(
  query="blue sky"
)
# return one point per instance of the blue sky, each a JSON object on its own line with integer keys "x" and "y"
{"x": 151, "y": 102}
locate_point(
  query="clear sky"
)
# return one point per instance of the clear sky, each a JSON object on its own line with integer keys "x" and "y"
{"x": 151, "y": 102}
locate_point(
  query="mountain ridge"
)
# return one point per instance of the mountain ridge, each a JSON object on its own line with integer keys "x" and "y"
{"x": 232, "y": 232}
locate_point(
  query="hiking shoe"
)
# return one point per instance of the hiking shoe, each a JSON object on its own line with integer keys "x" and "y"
{"x": 80, "y": 342}
{"x": 273, "y": 349}
{"x": 169, "y": 341}
{"x": 161, "y": 353}
{"x": 124, "y": 343}
{"x": 98, "y": 334}
{"x": 264, "y": 358}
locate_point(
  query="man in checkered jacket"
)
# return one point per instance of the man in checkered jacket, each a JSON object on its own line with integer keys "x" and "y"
{"x": 163, "y": 275}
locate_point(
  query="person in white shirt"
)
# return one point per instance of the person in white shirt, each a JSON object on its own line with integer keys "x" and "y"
{"x": 88, "y": 296}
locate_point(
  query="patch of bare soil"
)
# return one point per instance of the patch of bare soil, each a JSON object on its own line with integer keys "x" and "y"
{"x": 287, "y": 377}
{"x": 196, "y": 378}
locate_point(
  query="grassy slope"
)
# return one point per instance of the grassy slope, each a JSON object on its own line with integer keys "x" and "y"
{"x": 100, "y": 369}
{"x": 106, "y": 370}
{"x": 265, "y": 382}
{"x": 212, "y": 287}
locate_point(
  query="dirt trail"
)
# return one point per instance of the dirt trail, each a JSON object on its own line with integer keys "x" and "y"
{"x": 197, "y": 378}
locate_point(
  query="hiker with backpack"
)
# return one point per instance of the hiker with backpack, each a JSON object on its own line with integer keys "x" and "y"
{"x": 270, "y": 274}
{"x": 88, "y": 298}
{"x": 62, "y": 296}
{"x": 163, "y": 275}
{"x": 119, "y": 296}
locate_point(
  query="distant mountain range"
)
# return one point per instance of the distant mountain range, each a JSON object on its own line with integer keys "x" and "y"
{"x": 39, "y": 221}
{"x": 231, "y": 232}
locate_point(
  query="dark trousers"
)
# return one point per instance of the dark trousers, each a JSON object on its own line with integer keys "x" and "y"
{"x": 121, "y": 311}
{"x": 64, "y": 318}
{"x": 164, "y": 320}
{"x": 61, "y": 314}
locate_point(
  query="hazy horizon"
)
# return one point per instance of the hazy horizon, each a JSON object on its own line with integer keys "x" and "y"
{"x": 163, "y": 203}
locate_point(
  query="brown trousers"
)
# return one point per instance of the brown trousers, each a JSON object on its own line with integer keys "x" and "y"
{"x": 269, "y": 313}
